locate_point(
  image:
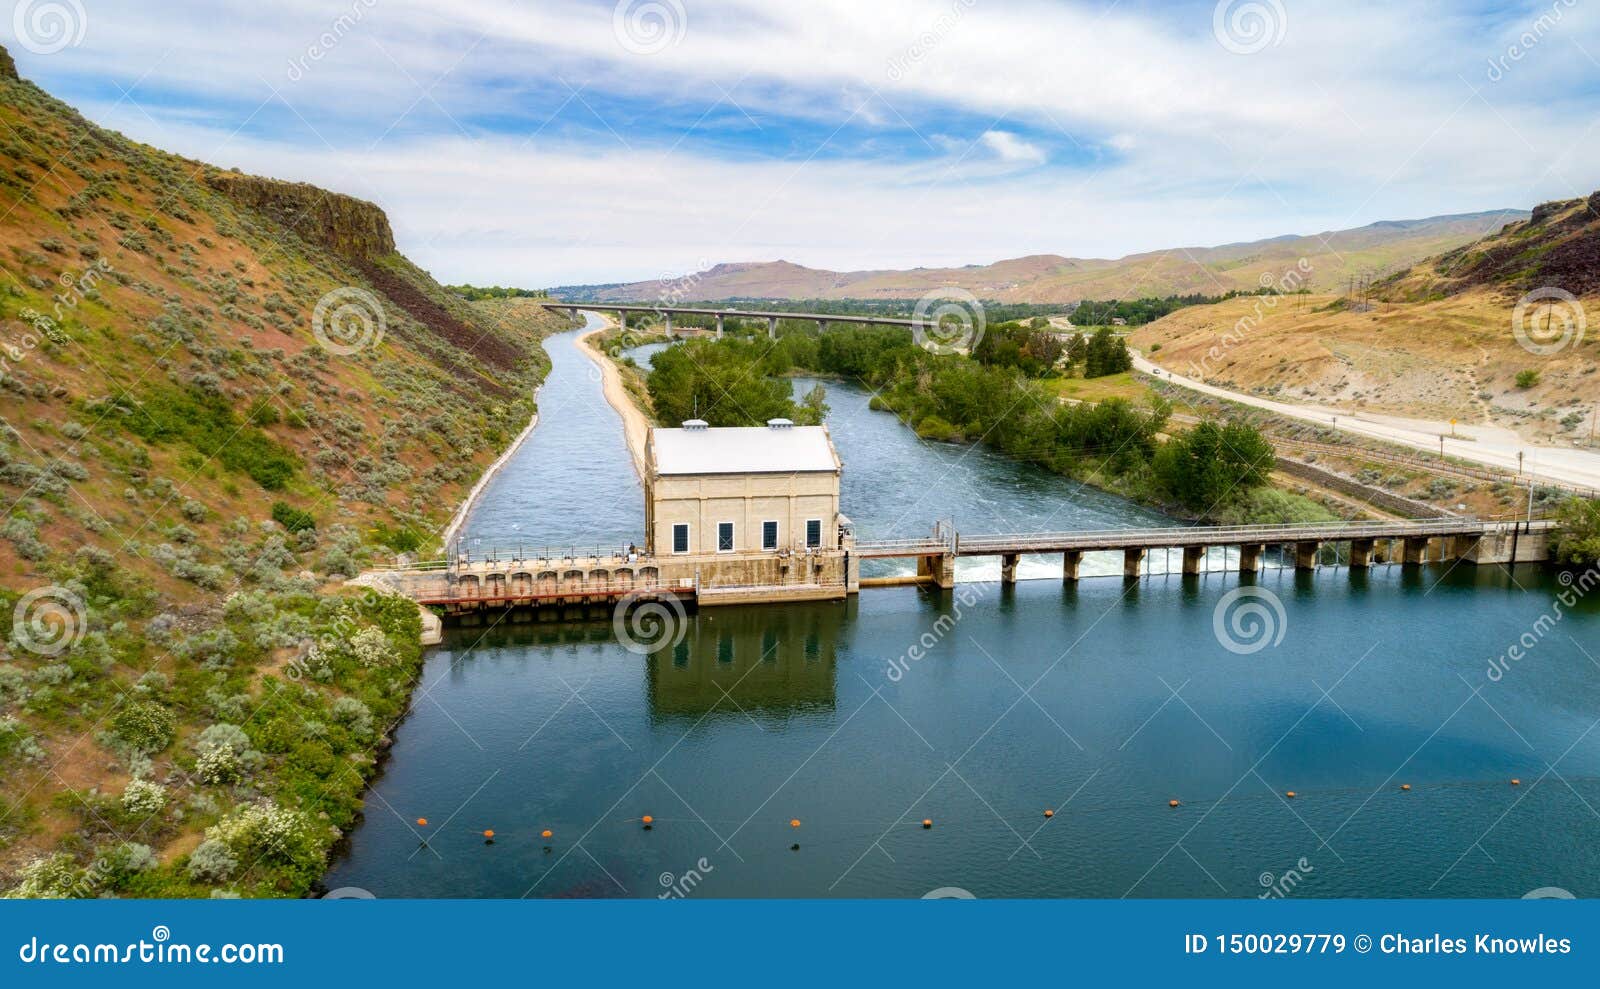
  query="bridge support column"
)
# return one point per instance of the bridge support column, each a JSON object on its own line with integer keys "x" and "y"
{"x": 939, "y": 570}
{"x": 622, "y": 320}
{"x": 1250, "y": 558}
{"x": 1461, "y": 547}
{"x": 822, "y": 326}
{"x": 772, "y": 327}
{"x": 668, "y": 317}
{"x": 719, "y": 326}
{"x": 1360, "y": 554}
{"x": 1069, "y": 564}
{"x": 1008, "y": 568}
{"x": 1132, "y": 561}
{"x": 1416, "y": 550}
{"x": 1194, "y": 558}
{"x": 1305, "y": 555}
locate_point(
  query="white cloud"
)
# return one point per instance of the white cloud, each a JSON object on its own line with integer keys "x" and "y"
{"x": 1366, "y": 110}
{"x": 1010, "y": 147}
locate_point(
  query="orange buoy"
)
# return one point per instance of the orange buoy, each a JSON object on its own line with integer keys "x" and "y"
{"x": 1405, "y": 786}
{"x": 647, "y": 820}
{"x": 1289, "y": 794}
{"x": 927, "y": 822}
{"x": 794, "y": 823}
{"x": 422, "y": 822}
{"x": 1172, "y": 803}
{"x": 1049, "y": 813}
{"x": 546, "y": 833}
{"x": 1516, "y": 782}
{"x": 489, "y": 835}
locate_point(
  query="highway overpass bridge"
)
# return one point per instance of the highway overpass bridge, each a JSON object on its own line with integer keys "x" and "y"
{"x": 668, "y": 312}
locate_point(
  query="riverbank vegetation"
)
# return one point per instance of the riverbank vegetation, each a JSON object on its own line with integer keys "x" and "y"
{"x": 998, "y": 396}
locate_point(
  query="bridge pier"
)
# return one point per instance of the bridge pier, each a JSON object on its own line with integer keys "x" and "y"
{"x": 622, "y": 320}
{"x": 1069, "y": 564}
{"x": 822, "y": 326}
{"x": 572, "y": 312}
{"x": 1008, "y": 568}
{"x": 1305, "y": 555}
{"x": 1360, "y": 554}
{"x": 1415, "y": 551}
{"x": 668, "y": 317}
{"x": 939, "y": 570}
{"x": 1132, "y": 562}
{"x": 719, "y": 326}
{"x": 1250, "y": 558}
{"x": 1194, "y": 558}
{"x": 772, "y": 327}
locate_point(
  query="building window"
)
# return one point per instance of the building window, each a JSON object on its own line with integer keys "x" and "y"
{"x": 769, "y": 535}
{"x": 680, "y": 537}
{"x": 724, "y": 537}
{"x": 813, "y": 533}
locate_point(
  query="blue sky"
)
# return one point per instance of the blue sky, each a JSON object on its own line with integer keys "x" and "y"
{"x": 559, "y": 141}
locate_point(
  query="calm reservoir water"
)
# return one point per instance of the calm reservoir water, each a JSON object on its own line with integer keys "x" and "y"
{"x": 980, "y": 708}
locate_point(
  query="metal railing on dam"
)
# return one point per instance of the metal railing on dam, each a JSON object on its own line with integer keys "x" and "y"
{"x": 1087, "y": 541}
{"x": 520, "y": 580}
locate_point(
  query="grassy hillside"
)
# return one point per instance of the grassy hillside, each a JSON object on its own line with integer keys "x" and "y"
{"x": 1331, "y": 258}
{"x": 1436, "y": 340}
{"x": 220, "y": 394}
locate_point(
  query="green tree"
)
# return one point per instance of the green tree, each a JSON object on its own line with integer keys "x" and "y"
{"x": 1106, "y": 354}
{"x": 1577, "y": 536}
{"x": 721, "y": 382}
{"x": 1212, "y": 464}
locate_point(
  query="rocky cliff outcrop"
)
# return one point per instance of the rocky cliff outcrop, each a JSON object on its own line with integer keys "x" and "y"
{"x": 8, "y": 68}
{"x": 345, "y": 225}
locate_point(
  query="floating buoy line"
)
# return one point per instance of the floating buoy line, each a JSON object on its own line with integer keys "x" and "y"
{"x": 844, "y": 831}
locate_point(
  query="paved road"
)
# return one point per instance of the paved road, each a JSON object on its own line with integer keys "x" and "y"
{"x": 1489, "y": 445}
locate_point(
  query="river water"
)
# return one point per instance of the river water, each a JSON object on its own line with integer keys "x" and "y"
{"x": 979, "y": 709}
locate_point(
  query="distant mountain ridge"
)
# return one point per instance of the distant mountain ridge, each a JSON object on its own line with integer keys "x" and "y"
{"x": 1333, "y": 257}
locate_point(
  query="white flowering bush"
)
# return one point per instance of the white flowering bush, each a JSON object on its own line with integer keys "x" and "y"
{"x": 144, "y": 797}
{"x": 54, "y": 877}
{"x": 225, "y": 753}
{"x": 264, "y": 833}
{"x": 371, "y": 647}
{"x": 218, "y": 765}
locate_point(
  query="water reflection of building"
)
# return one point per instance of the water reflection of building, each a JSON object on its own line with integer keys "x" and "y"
{"x": 753, "y": 659}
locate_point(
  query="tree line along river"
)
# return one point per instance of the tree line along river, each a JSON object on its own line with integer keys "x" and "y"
{"x": 981, "y": 708}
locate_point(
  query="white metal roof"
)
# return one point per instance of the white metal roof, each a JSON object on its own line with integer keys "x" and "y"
{"x": 743, "y": 450}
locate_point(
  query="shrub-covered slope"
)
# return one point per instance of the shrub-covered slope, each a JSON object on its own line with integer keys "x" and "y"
{"x": 219, "y": 394}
